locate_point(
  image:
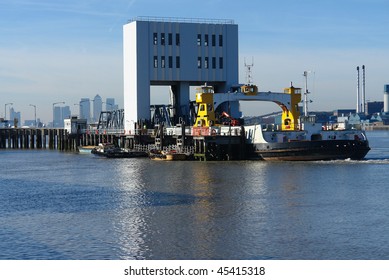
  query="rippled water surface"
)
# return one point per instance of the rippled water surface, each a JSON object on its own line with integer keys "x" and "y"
{"x": 57, "y": 205}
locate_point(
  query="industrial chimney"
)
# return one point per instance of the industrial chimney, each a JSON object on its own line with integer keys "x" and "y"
{"x": 358, "y": 95}
{"x": 363, "y": 97}
{"x": 386, "y": 99}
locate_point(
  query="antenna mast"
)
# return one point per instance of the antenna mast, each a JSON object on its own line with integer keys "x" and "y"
{"x": 249, "y": 76}
{"x": 306, "y": 93}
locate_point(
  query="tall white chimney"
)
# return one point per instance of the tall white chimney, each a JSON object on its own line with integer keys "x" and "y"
{"x": 363, "y": 97}
{"x": 358, "y": 95}
{"x": 386, "y": 99}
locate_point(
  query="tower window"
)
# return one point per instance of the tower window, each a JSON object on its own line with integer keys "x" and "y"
{"x": 170, "y": 39}
{"x": 163, "y": 62}
{"x": 198, "y": 39}
{"x": 213, "y": 40}
{"x": 213, "y": 62}
{"x": 178, "y": 62}
{"x": 155, "y": 38}
{"x": 170, "y": 62}
{"x": 206, "y": 63}
{"x": 155, "y": 61}
{"x": 220, "y": 40}
{"x": 199, "y": 62}
{"x": 220, "y": 62}
{"x": 206, "y": 40}
{"x": 177, "y": 39}
{"x": 162, "y": 39}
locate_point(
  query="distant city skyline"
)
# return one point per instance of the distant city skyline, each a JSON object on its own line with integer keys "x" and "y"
{"x": 61, "y": 110}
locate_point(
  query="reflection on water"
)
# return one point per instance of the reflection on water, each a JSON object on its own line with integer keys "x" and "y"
{"x": 379, "y": 144}
{"x": 93, "y": 208}
{"x": 182, "y": 218}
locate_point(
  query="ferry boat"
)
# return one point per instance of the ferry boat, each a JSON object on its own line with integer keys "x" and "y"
{"x": 297, "y": 138}
{"x": 302, "y": 138}
{"x": 312, "y": 142}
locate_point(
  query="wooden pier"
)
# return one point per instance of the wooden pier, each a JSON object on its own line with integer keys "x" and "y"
{"x": 200, "y": 142}
{"x": 53, "y": 138}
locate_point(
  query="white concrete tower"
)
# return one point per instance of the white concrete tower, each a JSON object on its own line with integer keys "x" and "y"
{"x": 179, "y": 53}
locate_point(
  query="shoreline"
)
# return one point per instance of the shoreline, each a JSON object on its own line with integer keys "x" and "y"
{"x": 376, "y": 127}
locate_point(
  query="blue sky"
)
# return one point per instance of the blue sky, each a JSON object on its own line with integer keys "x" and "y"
{"x": 53, "y": 51}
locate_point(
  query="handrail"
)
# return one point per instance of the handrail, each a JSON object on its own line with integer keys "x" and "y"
{"x": 182, "y": 20}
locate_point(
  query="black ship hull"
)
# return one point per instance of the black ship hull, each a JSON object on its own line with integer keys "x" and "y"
{"x": 311, "y": 150}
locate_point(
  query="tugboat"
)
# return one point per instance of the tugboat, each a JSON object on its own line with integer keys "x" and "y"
{"x": 311, "y": 142}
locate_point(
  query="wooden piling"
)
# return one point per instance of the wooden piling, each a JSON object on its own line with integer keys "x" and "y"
{"x": 37, "y": 138}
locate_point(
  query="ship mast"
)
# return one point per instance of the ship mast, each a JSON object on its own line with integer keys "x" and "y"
{"x": 249, "y": 76}
{"x": 306, "y": 92}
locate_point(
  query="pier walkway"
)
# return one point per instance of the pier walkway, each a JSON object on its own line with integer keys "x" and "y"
{"x": 53, "y": 138}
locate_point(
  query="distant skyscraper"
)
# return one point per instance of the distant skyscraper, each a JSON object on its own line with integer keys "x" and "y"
{"x": 66, "y": 114}
{"x": 85, "y": 109}
{"x": 57, "y": 116}
{"x": 110, "y": 104}
{"x": 97, "y": 107}
{"x": 61, "y": 113}
{"x": 14, "y": 116}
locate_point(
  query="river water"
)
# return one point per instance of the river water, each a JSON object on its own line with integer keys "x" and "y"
{"x": 56, "y": 205}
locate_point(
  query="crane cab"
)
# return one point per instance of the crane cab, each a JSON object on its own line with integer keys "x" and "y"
{"x": 205, "y": 109}
{"x": 290, "y": 117}
{"x": 249, "y": 89}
